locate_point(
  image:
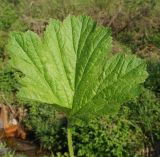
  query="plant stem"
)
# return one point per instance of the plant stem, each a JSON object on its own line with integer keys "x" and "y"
{"x": 70, "y": 143}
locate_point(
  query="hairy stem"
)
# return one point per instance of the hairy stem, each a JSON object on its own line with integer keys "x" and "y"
{"x": 70, "y": 143}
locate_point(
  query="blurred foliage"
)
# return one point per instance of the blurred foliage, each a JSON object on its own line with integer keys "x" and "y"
{"x": 8, "y": 15}
{"x": 155, "y": 39}
{"x": 153, "y": 81}
{"x": 8, "y": 83}
{"x": 136, "y": 29}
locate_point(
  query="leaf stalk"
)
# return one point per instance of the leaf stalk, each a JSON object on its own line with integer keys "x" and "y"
{"x": 70, "y": 142}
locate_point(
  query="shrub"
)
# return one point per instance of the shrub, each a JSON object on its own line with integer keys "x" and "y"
{"x": 8, "y": 84}
{"x": 8, "y": 15}
{"x": 155, "y": 39}
{"x": 124, "y": 135}
{"x": 145, "y": 113}
{"x": 114, "y": 136}
{"x": 153, "y": 81}
{"x": 46, "y": 127}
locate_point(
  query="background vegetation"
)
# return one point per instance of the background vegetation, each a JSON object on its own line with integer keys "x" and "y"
{"x": 135, "y": 130}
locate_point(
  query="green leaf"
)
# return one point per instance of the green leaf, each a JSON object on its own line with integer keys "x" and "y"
{"x": 72, "y": 67}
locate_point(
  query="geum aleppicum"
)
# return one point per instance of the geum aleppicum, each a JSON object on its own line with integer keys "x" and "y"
{"x": 72, "y": 68}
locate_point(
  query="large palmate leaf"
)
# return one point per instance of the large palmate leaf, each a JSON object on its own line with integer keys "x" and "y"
{"x": 72, "y": 67}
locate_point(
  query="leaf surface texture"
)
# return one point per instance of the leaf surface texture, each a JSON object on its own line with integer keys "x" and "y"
{"x": 72, "y": 67}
